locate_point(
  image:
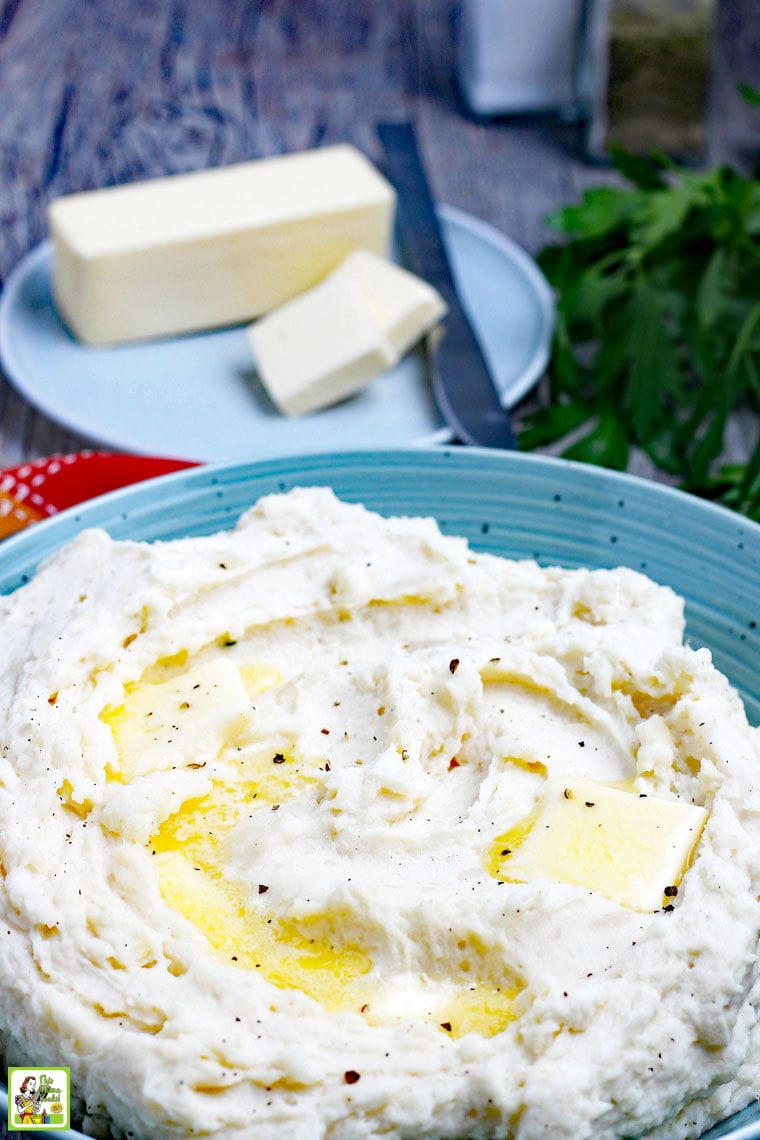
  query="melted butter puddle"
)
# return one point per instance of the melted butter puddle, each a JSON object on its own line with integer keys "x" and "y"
{"x": 250, "y": 940}
{"x": 158, "y": 726}
{"x": 194, "y": 881}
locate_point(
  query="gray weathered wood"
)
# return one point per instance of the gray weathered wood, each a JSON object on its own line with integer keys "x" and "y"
{"x": 95, "y": 92}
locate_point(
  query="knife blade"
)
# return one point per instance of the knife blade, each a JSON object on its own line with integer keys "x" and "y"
{"x": 462, "y": 383}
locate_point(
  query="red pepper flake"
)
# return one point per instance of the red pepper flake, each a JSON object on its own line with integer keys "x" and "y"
{"x": 351, "y": 1076}
{"x": 53, "y": 698}
{"x": 453, "y": 664}
{"x": 446, "y": 1025}
{"x": 453, "y": 763}
{"x": 278, "y": 758}
{"x": 263, "y": 888}
{"x": 671, "y": 892}
{"x": 325, "y": 731}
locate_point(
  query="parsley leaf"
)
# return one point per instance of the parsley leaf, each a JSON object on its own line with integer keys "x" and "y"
{"x": 657, "y": 339}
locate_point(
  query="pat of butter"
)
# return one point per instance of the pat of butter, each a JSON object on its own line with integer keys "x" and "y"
{"x": 185, "y": 720}
{"x": 402, "y": 305}
{"x": 626, "y": 847}
{"x": 214, "y": 247}
{"x": 331, "y": 341}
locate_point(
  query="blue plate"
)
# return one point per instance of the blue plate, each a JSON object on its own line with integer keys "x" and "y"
{"x": 522, "y": 506}
{"x": 197, "y": 397}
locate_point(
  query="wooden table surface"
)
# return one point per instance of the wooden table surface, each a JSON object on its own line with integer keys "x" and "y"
{"x": 95, "y": 92}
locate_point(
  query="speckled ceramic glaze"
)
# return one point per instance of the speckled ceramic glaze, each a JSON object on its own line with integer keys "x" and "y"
{"x": 521, "y": 506}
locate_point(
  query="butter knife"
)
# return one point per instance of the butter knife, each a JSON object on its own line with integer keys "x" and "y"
{"x": 462, "y": 383}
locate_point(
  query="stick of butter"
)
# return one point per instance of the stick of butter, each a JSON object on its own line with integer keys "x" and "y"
{"x": 212, "y": 248}
{"x": 333, "y": 339}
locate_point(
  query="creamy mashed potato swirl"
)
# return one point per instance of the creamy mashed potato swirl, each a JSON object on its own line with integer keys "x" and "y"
{"x": 330, "y": 827}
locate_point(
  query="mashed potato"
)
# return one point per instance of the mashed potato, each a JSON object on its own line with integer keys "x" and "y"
{"x": 329, "y": 826}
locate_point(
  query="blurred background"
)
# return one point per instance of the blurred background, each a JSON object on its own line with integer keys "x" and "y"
{"x": 96, "y": 92}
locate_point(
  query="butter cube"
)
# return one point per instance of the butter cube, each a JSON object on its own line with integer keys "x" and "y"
{"x": 335, "y": 338}
{"x": 211, "y": 248}
{"x": 403, "y": 306}
{"x": 626, "y": 847}
{"x": 318, "y": 349}
{"x": 183, "y": 721}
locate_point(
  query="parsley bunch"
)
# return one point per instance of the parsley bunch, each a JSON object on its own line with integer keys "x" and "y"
{"x": 657, "y": 340}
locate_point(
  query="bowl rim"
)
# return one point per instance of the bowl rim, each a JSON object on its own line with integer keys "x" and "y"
{"x": 50, "y": 534}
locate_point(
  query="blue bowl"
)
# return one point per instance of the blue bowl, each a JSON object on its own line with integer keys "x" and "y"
{"x": 521, "y": 506}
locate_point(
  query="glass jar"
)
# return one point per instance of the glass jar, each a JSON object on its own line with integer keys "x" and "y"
{"x": 517, "y": 57}
{"x": 651, "y": 63}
